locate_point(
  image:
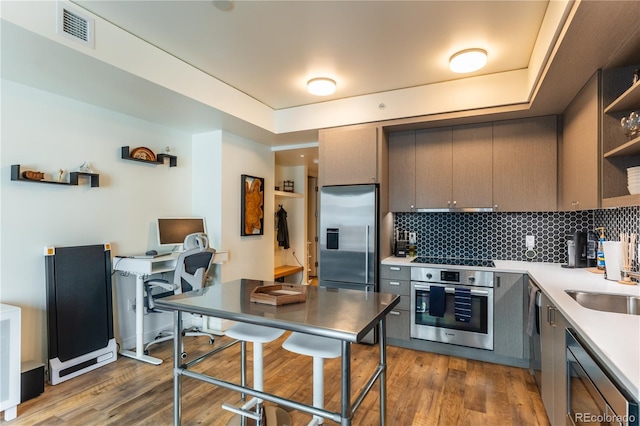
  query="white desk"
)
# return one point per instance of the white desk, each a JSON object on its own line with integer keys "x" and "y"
{"x": 142, "y": 268}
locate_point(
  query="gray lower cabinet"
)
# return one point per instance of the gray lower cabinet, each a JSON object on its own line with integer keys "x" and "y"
{"x": 397, "y": 280}
{"x": 508, "y": 315}
{"x": 553, "y": 362}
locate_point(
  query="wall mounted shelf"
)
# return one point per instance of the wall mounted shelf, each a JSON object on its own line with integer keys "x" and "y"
{"x": 627, "y": 101}
{"x": 125, "y": 154}
{"x": 619, "y": 152}
{"x": 287, "y": 194}
{"x": 631, "y": 147}
{"x": 73, "y": 177}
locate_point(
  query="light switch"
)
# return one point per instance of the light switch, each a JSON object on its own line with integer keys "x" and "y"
{"x": 530, "y": 241}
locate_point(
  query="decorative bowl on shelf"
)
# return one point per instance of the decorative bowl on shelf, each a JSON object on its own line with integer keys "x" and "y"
{"x": 31, "y": 175}
{"x": 143, "y": 153}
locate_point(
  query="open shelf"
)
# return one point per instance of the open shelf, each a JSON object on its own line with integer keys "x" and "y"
{"x": 73, "y": 177}
{"x": 125, "y": 154}
{"x": 288, "y": 194}
{"x": 286, "y": 270}
{"x": 621, "y": 201}
{"x": 629, "y": 100}
{"x": 619, "y": 151}
{"x": 630, "y": 148}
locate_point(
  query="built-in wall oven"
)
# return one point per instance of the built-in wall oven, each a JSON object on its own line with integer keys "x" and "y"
{"x": 593, "y": 397}
{"x": 452, "y": 306}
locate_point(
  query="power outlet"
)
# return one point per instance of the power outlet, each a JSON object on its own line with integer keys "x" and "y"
{"x": 530, "y": 241}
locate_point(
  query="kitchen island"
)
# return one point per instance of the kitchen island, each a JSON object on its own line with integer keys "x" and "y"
{"x": 613, "y": 337}
{"x": 345, "y": 315}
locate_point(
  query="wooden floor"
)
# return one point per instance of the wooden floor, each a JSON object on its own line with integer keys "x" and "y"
{"x": 423, "y": 389}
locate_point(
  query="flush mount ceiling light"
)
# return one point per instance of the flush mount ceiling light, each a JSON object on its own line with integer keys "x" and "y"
{"x": 321, "y": 86}
{"x": 468, "y": 60}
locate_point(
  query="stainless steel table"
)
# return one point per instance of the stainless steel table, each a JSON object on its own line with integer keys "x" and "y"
{"x": 346, "y": 315}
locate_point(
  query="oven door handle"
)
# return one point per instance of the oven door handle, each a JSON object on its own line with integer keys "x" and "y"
{"x": 451, "y": 290}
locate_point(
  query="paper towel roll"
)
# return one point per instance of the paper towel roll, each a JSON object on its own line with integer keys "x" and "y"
{"x": 613, "y": 259}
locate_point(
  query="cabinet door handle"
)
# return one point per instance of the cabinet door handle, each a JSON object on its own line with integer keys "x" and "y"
{"x": 498, "y": 281}
{"x": 394, "y": 313}
{"x": 394, "y": 283}
{"x": 394, "y": 268}
{"x": 551, "y": 315}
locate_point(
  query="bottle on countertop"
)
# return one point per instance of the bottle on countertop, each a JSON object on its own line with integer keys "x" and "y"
{"x": 601, "y": 259}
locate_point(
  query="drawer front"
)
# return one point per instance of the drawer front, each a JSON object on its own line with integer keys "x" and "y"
{"x": 394, "y": 272}
{"x": 395, "y": 287}
{"x": 398, "y": 326}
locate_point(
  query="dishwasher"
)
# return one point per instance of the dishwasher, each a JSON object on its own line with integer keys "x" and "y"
{"x": 593, "y": 397}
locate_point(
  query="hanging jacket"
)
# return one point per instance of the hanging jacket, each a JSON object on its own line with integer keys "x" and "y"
{"x": 283, "y": 230}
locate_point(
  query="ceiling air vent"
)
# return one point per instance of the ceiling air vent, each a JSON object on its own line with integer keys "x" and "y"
{"x": 75, "y": 26}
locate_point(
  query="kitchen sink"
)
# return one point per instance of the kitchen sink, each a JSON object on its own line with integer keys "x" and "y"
{"x": 618, "y": 303}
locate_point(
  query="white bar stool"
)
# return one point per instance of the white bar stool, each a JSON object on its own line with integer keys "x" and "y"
{"x": 258, "y": 335}
{"x": 319, "y": 348}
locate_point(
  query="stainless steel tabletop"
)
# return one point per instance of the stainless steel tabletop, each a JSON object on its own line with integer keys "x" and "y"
{"x": 336, "y": 313}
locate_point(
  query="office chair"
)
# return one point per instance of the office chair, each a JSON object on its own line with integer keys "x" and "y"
{"x": 191, "y": 273}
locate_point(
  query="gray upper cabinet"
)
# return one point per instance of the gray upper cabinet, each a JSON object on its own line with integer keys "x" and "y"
{"x": 434, "y": 156}
{"x": 579, "y": 168}
{"x": 420, "y": 169}
{"x": 525, "y": 164}
{"x": 402, "y": 171}
{"x": 441, "y": 168}
{"x": 349, "y": 156}
{"x": 472, "y": 166}
{"x": 506, "y": 165}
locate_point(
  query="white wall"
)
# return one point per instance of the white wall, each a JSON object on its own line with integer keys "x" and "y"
{"x": 46, "y": 132}
{"x": 250, "y": 256}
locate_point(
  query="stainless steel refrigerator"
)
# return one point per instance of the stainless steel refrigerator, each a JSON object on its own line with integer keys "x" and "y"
{"x": 349, "y": 237}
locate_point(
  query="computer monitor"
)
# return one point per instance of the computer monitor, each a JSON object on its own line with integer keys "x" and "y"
{"x": 173, "y": 230}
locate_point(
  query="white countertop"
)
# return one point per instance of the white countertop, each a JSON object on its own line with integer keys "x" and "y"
{"x": 615, "y": 338}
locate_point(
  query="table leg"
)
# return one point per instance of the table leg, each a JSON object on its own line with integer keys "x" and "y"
{"x": 346, "y": 384}
{"x": 177, "y": 377}
{"x": 383, "y": 374}
{"x": 139, "y": 353}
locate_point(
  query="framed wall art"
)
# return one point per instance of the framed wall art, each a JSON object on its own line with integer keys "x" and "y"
{"x": 251, "y": 206}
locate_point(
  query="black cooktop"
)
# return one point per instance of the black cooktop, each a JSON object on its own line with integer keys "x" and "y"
{"x": 487, "y": 263}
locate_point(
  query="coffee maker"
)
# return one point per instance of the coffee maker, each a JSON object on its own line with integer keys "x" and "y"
{"x": 582, "y": 250}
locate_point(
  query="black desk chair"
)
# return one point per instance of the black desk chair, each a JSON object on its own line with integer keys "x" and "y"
{"x": 191, "y": 273}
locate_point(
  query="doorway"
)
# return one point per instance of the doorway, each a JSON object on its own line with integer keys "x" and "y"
{"x": 312, "y": 228}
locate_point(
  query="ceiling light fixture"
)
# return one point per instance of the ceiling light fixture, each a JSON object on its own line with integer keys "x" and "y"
{"x": 321, "y": 86}
{"x": 468, "y": 60}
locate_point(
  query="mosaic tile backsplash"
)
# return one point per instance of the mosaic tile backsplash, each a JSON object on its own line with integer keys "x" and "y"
{"x": 501, "y": 236}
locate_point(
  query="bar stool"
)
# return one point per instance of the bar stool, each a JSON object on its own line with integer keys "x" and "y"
{"x": 258, "y": 335}
{"x": 319, "y": 348}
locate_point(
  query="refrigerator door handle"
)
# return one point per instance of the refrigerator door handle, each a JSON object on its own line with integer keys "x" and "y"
{"x": 366, "y": 254}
